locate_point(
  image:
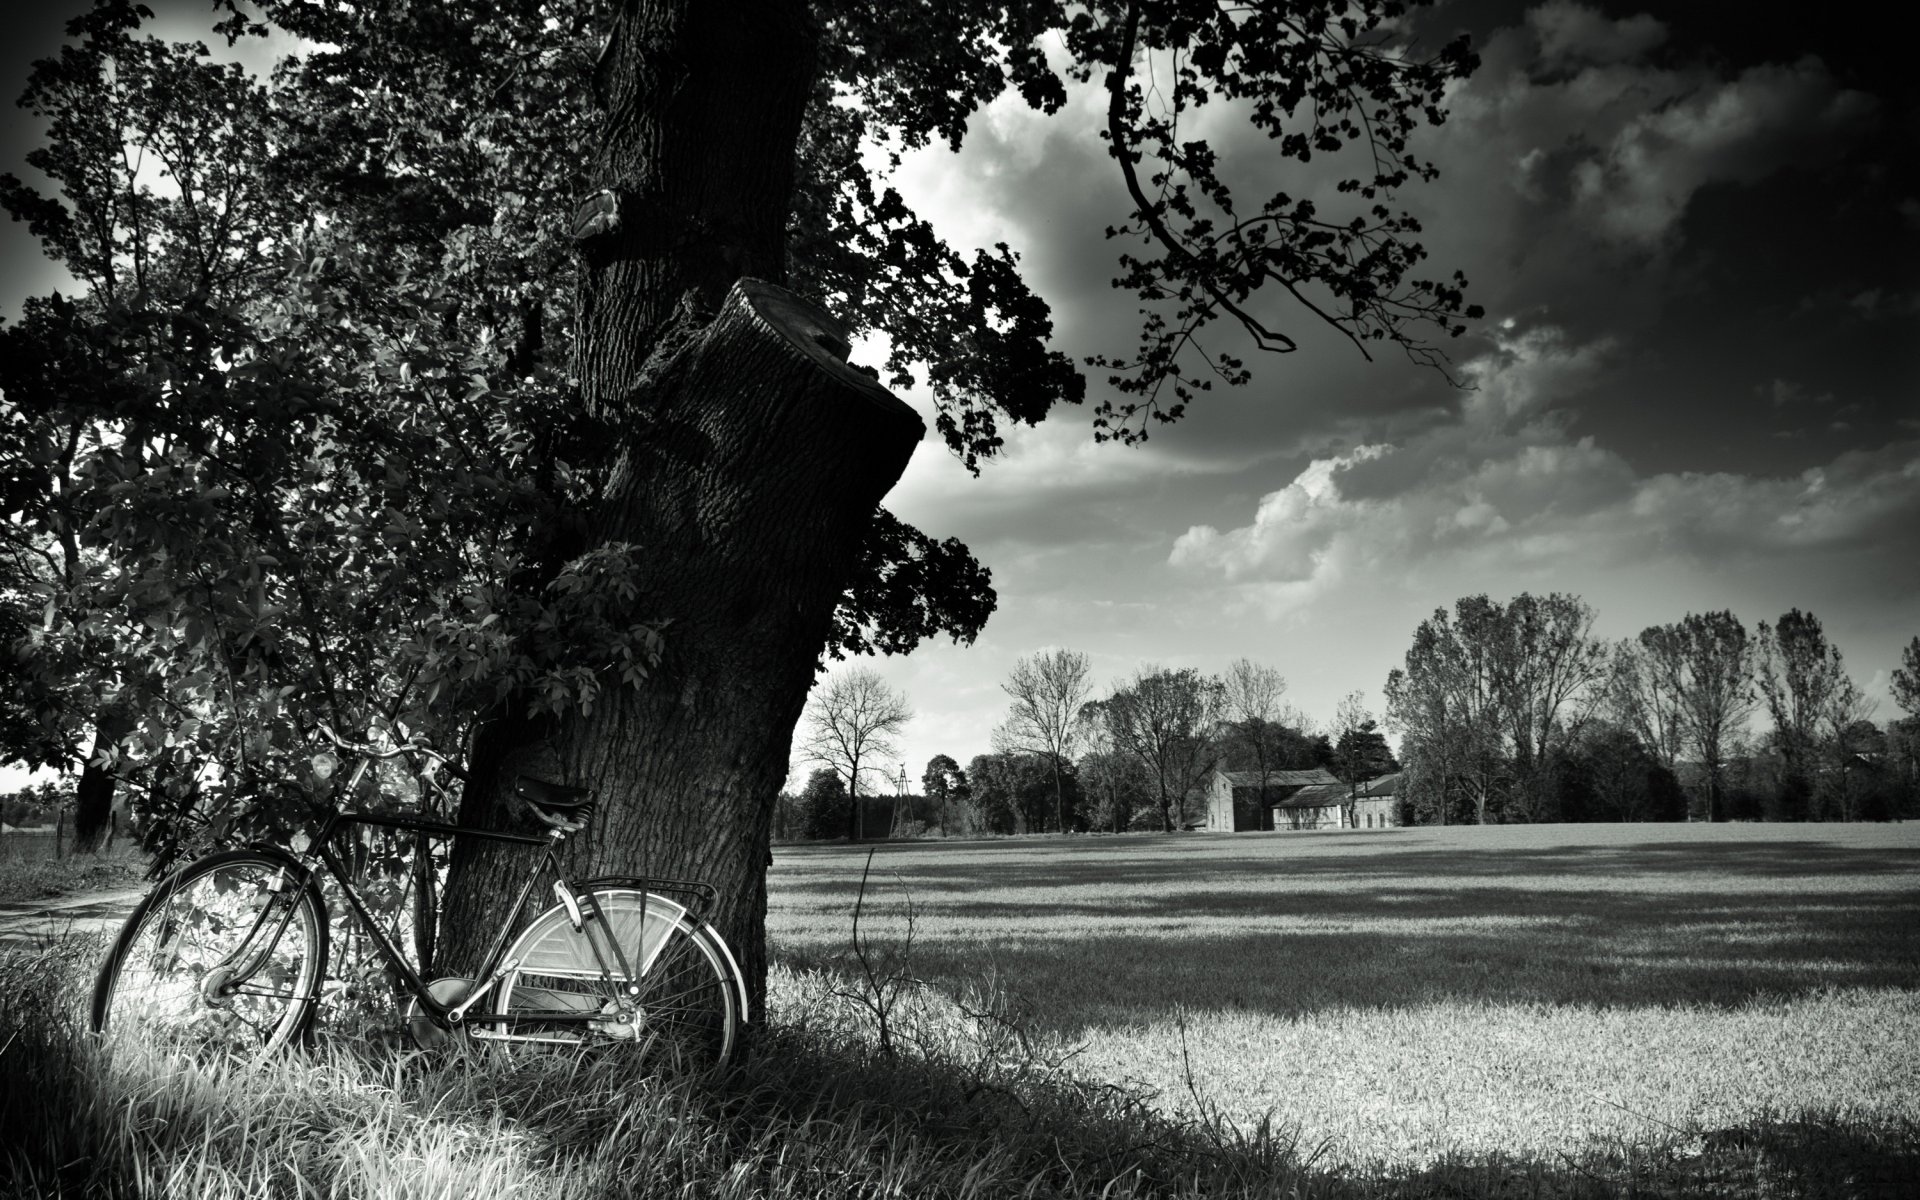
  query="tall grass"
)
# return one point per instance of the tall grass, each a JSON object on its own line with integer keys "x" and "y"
{"x": 33, "y": 868}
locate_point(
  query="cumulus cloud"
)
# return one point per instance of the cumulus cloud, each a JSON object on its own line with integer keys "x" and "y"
{"x": 1509, "y": 489}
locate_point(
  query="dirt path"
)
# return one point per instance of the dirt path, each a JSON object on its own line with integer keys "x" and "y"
{"x": 34, "y": 921}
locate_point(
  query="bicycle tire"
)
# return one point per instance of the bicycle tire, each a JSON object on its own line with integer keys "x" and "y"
{"x": 689, "y": 1009}
{"x": 162, "y": 984}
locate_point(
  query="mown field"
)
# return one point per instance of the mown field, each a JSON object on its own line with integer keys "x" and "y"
{"x": 1403, "y": 996}
{"x": 1405, "y": 1015}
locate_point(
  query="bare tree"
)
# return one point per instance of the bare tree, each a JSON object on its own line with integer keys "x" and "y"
{"x": 1047, "y": 692}
{"x": 1163, "y": 717}
{"x": 1250, "y": 694}
{"x": 851, "y": 722}
{"x": 1643, "y": 693}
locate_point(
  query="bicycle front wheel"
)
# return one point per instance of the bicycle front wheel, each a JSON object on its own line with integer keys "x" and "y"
{"x": 224, "y": 957}
{"x": 679, "y": 1001}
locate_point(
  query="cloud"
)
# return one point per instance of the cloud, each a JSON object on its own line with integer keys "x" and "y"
{"x": 1570, "y": 33}
{"x": 1636, "y": 185}
{"x": 1507, "y": 489}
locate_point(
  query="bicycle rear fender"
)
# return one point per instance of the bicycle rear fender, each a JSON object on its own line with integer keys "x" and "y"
{"x": 708, "y": 895}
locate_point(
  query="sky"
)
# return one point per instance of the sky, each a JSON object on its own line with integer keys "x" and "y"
{"x": 1695, "y": 387}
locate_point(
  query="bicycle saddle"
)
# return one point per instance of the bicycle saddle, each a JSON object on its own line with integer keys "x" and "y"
{"x": 554, "y": 799}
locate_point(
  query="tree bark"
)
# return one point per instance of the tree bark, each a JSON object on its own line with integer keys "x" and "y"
{"x": 748, "y": 492}
{"x": 748, "y": 460}
{"x": 93, "y": 796}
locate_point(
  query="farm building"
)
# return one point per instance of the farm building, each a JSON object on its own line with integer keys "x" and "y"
{"x": 1234, "y": 797}
{"x": 1323, "y": 805}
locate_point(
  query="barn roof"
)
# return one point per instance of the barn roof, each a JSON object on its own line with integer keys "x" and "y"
{"x": 1386, "y": 785}
{"x": 1318, "y": 795}
{"x": 1280, "y": 779}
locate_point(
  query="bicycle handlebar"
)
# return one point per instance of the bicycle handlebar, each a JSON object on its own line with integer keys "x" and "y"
{"x": 366, "y": 750}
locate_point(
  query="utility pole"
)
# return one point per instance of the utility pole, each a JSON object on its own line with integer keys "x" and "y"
{"x": 899, "y": 797}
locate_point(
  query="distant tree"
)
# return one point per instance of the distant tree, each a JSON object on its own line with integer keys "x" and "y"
{"x": 1799, "y": 672}
{"x": 1643, "y": 695}
{"x": 1047, "y": 691}
{"x": 1013, "y": 792}
{"x": 946, "y": 785}
{"x": 1361, "y": 754}
{"x": 1903, "y": 735}
{"x": 1812, "y": 702}
{"x": 1615, "y": 777}
{"x": 1705, "y": 662}
{"x": 1446, "y": 703}
{"x": 851, "y": 722}
{"x": 1906, "y": 679}
{"x": 1549, "y": 670}
{"x": 1251, "y": 701}
{"x": 825, "y": 807}
{"x": 789, "y": 816}
{"x": 1164, "y": 718}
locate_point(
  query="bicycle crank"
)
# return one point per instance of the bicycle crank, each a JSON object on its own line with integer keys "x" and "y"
{"x": 448, "y": 991}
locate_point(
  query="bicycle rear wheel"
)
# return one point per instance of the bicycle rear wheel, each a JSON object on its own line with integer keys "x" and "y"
{"x": 224, "y": 957}
{"x": 683, "y": 1007}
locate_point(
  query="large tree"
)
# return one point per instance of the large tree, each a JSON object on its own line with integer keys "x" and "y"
{"x": 1446, "y": 703}
{"x": 526, "y": 446}
{"x": 1165, "y": 719}
{"x": 1705, "y": 661}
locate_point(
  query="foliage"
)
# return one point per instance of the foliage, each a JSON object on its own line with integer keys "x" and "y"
{"x": 825, "y": 806}
{"x": 1489, "y": 697}
{"x": 1816, "y": 708}
{"x": 944, "y": 783}
{"x": 1905, "y": 683}
{"x": 1705, "y": 665}
{"x": 1165, "y": 718}
{"x": 1014, "y": 792}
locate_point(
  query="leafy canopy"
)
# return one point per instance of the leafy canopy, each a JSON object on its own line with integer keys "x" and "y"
{"x": 329, "y": 462}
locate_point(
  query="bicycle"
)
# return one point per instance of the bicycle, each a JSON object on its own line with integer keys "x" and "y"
{"x": 229, "y": 953}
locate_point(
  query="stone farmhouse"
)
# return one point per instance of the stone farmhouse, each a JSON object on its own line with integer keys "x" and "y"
{"x": 1297, "y": 800}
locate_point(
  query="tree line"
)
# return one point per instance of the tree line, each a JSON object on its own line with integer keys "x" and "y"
{"x": 1510, "y": 712}
{"x": 1066, "y": 760}
{"x": 1517, "y": 712}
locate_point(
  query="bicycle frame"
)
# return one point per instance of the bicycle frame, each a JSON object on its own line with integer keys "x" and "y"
{"x": 492, "y": 969}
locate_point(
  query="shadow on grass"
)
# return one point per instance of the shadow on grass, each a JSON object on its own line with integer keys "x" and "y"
{"x": 815, "y": 1112}
{"x": 1102, "y": 932}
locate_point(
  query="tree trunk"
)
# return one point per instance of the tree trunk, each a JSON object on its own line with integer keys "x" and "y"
{"x": 748, "y": 460}
{"x": 748, "y": 494}
{"x": 93, "y": 796}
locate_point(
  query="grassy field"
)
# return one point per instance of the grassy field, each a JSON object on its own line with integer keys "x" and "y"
{"x": 1415, "y": 1015}
{"x": 1403, "y": 996}
{"x": 30, "y": 869}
